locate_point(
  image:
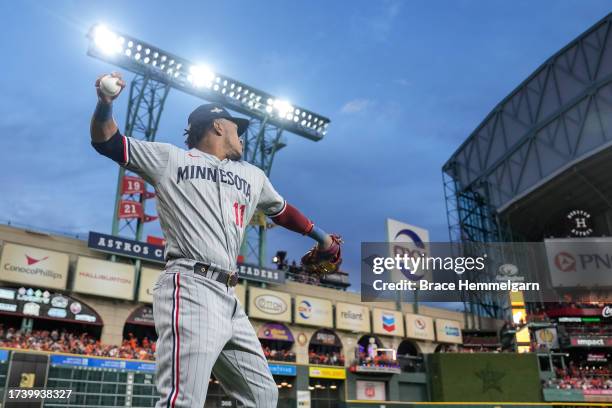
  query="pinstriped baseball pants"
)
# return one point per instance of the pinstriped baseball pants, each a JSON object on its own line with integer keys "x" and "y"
{"x": 201, "y": 329}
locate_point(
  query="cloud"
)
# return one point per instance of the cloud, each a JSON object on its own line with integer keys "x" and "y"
{"x": 356, "y": 105}
{"x": 381, "y": 22}
{"x": 402, "y": 82}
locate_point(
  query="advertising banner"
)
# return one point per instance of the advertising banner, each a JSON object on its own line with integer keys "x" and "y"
{"x": 547, "y": 338}
{"x": 34, "y": 266}
{"x": 371, "y": 390}
{"x": 269, "y": 305}
{"x": 584, "y": 262}
{"x": 387, "y": 322}
{"x": 406, "y": 239}
{"x": 143, "y": 315}
{"x": 448, "y": 331}
{"x": 103, "y": 278}
{"x": 257, "y": 274}
{"x": 354, "y": 318}
{"x": 125, "y": 247}
{"x": 275, "y": 331}
{"x": 419, "y": 327}
{"x": 327, "y": 372}
{"x": 148, "y": 277}
{"x": 325, "y": 337}
{"x": 311, "y": 311}
{"x": 102, "y": 363}
{"x": 41, "y": 303}
{"x": 590, "y": 341}
{"x": 283, "y": 369}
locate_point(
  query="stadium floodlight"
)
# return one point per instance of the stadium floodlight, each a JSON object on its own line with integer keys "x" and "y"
{"x": 107, "y": 41}
{"x": 200, "y": 75}
{"x": 199, "y": 80}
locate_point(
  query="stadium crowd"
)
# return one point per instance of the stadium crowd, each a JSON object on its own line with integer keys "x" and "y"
{"x": 381, "y": 360}
{"x": 65, "y": 342}
{"x": 580, "y": 378}
{"x": 278, "y": 354}
{"x": 330, "y": 358}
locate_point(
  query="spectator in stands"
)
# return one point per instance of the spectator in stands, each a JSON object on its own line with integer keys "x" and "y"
{"x": 66, "y": 342}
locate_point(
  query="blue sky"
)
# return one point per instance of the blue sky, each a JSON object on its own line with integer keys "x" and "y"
{"x": 404, "y": 83}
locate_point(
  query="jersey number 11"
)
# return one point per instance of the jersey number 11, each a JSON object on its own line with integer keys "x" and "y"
{"x": 239, "y": 213}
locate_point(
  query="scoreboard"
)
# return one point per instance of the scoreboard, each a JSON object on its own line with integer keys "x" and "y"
{"x": 102, "y": 382}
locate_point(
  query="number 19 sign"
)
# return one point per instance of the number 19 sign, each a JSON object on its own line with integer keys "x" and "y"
{"x": 132, "y": 185}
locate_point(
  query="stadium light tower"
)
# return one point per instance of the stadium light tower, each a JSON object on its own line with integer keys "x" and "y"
{"x": 157, "y": 71}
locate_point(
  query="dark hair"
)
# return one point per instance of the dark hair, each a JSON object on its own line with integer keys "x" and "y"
{"x": 196, "y": 133}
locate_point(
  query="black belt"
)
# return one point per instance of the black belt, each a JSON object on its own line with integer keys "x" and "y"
{"x": 229, "y": 279}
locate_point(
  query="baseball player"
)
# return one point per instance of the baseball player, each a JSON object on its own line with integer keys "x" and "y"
{"x": 206, "y": 196}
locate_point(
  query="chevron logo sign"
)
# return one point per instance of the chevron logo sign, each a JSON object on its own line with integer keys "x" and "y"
{"x": 388, "y": 323}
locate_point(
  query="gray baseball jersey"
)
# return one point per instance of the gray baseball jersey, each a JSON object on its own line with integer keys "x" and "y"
{"x": 204, "y": 204}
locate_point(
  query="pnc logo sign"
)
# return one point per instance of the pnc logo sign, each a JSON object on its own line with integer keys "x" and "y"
{"x": 32, "y": 261}
{"x": 565, "y": 262}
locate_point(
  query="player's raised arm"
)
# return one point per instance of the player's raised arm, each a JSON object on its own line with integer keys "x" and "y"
{"x": 103, "y": 126}
{"x": 148, "y": 159}
{"x": 325, "y": 257}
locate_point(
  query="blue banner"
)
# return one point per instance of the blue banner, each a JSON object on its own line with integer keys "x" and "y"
{"x": 125, "y": 247}
{"x": 134, "y": 365}
{"x": 93, "y": 362}
{"x": 282, "y": 369}
{"x": 4, "y": 354}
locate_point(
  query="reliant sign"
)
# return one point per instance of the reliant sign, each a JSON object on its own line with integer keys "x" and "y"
{"x": 354, "y": 318}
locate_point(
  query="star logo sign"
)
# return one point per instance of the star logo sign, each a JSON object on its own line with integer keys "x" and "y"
{"x": 490, "y": 378}
{"x": 565, "y": 262}
{"x": 216, "y": 110}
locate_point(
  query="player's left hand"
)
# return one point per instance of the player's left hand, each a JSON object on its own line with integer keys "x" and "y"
{"x": 324, "y": 261}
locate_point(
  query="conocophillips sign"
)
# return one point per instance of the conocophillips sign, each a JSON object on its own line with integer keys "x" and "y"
{"x": 270, "y": 305}
{"x": 34, "y": 266}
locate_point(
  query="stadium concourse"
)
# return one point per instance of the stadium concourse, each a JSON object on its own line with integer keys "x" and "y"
{"x": 61, "y": 296}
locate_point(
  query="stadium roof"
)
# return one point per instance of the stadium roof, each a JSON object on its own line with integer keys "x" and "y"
{"x": 559, "y": 116}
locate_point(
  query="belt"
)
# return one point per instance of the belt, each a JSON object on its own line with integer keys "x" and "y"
{"x": 229, "y": 279}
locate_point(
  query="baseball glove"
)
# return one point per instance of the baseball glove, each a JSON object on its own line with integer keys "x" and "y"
{"x": 319, "y": 262}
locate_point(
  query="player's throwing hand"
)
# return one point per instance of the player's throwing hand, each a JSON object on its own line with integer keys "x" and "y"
{"x": 105, "y": 95}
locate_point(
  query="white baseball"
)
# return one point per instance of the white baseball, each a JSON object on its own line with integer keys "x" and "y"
{"x": 109, "y": 85}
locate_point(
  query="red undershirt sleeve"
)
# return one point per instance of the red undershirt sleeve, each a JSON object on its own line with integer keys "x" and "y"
{"x": 292, "y": 219}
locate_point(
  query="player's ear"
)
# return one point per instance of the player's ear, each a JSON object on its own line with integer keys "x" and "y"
{"x": 218, "y": 127}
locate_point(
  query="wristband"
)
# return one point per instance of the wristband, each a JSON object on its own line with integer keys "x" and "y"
{"x": 103, "y": 112}
{"x": 317, "y": 234}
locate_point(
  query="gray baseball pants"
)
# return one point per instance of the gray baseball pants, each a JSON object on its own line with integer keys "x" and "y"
{"x": 202, "y": 328}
